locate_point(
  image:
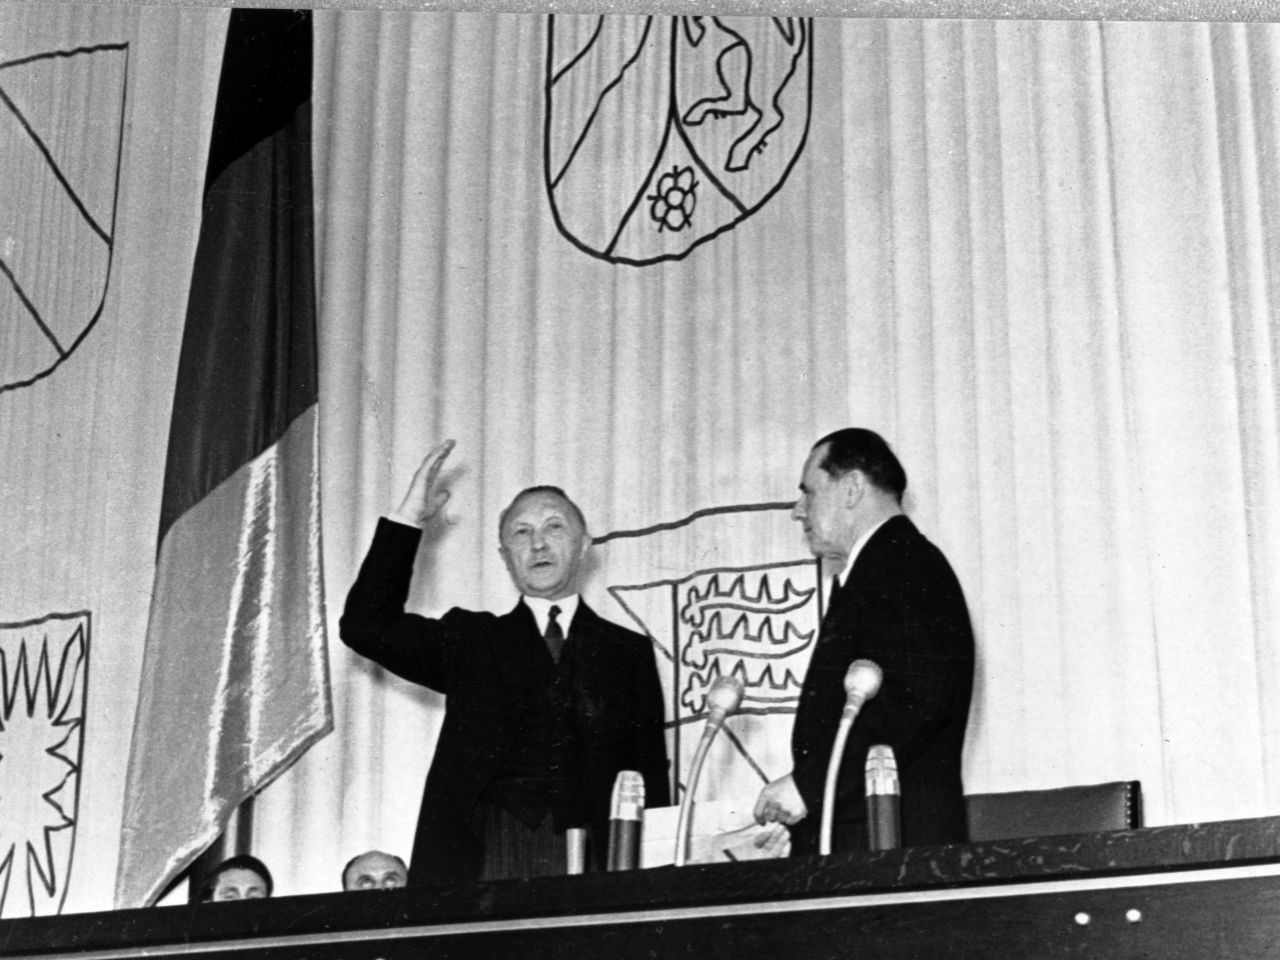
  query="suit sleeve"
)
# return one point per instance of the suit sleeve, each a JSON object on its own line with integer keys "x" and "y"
{"x": 648, "y": 732}
{"x": 912, "y": 622}
{"x": 374, "y": 623}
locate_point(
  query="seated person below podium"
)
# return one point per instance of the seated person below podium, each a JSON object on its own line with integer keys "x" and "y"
{"x": 374, "y": 870}
{"x": 237, "y": 878}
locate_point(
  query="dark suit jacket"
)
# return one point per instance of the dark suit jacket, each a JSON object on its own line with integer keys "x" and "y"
{"x": 481, "y": 663}
{"x": 902, "y": 607}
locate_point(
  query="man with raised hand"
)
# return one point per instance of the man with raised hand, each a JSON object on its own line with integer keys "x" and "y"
{"x": 544, "y": 704}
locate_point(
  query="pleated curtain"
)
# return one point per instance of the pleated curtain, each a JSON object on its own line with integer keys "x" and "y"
{"x": 1039, "y": 257}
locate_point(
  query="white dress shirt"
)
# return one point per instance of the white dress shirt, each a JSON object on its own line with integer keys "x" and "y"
{"x": 541, "y": 608}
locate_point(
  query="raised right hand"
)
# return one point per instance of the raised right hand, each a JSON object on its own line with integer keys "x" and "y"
{"x": 423, "y": 500}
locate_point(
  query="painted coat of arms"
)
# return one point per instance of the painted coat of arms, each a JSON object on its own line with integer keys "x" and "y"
{"x": 62, "y": 125}
{"x": 664, "y": 132}
{"x": 43, "y": 679}
{"x": 728, "y": 591}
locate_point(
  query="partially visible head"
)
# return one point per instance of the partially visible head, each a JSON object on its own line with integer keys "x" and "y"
{"x": 864, "y": 450}
{"x": 238, "y": 878}
{"x": 544, "y": 542}
{"x": 374, "y": 870}
{"x": 850, "y": 478}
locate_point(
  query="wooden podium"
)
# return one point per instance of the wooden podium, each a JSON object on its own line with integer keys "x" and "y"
{"x": 1207, "y": 890}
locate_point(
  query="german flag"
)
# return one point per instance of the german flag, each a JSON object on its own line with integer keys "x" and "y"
{"x": 235, "y": 681}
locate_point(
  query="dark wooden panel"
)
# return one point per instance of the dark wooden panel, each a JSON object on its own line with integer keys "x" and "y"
{"x": 1217, "y": 918}
{"x": 1001, "y": 899}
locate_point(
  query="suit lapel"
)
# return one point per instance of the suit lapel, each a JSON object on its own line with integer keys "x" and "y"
{"x": 585, "y": 626}
{"x": 837, "y": 603}
{"x": 518, "y": 641}
{"x": 585, "y": 622}
{"x": 865, "y": 570}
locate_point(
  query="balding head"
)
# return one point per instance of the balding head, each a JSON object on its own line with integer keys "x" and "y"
{"x": 374, "y": 870}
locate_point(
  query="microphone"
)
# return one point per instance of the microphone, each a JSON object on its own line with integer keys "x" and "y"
{"x": 722, "y": 700}
{"x": 625, "y": 817}
{"x": 861, "y": 682}
{"x": 884, "y": 830}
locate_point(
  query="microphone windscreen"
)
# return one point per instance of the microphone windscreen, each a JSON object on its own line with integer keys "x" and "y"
{"x": 628, "y": 796}
{"x": 881, "y": 770}
{"x": 883, "y": 816}
{"x": 724, "y": 696}
{"x": 624, "y": 821}
{"x": 862, "y": 680}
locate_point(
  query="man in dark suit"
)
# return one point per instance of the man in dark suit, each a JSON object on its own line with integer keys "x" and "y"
{"x": 545, "y": 704}
{"x": 896, "y": 602}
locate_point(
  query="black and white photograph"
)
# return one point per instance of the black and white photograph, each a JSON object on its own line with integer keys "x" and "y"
{"x": 717, "y": 480}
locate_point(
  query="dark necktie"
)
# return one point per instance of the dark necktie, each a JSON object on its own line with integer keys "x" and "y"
{"x": 831, "y": 597}
{"x": 555, "y": 634}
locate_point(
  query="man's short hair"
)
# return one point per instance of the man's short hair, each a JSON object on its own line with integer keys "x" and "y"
{"x": 241, "y": 862}
{"x": 541, "y": 488}
{"x": 855, "y": 448}
{"x": 352, "y": 862}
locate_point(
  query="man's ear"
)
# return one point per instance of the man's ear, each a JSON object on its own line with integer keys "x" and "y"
{"x": 855, "y": 485}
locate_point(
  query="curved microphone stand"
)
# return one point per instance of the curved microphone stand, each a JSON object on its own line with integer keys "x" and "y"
{"x": 861, "y": 683}
{"x": 722, "y": 700}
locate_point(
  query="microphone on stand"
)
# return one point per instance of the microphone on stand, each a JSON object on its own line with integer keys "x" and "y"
{"x": 722, "y": 700}
{"x": 861, "y": 683}
{"x": 626, "y": 815}
{"x": 884, "y": 830}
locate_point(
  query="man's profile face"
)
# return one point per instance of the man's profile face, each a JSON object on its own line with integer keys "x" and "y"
{"x": 544, "y": 544}
{"x": 823, "y": 508}
{"x": 374, "y": 871}
{"x": 239, "y": 884}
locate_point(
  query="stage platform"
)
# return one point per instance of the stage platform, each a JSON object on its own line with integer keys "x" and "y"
{"x": 1208, "y": 890}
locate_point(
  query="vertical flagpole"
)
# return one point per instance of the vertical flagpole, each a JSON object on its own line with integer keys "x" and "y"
{"x": 235, "y": 839}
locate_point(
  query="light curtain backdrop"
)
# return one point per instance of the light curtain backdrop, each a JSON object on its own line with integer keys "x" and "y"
{"x": 1039, "y": 257}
